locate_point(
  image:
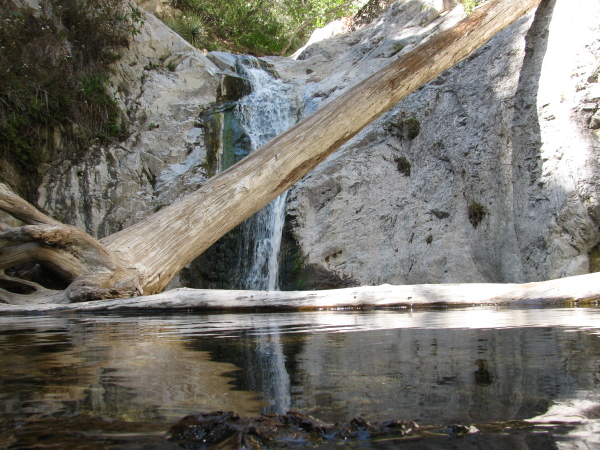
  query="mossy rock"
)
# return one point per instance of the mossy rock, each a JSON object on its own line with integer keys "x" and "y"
{"x": 403, "y": 165}
{"x": 476, "y": 212}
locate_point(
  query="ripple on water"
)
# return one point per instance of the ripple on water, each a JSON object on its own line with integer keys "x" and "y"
{"x": 467, "y": 365}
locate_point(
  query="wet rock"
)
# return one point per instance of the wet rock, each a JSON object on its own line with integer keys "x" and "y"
{"x": 314, "y": 277}
{"x": 294, "y": 429}
{"x": 224, "y": 428}
{"x": 232, "y": 87}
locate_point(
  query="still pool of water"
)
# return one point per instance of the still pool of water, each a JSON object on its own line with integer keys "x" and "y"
{"x": 120, "y": 381}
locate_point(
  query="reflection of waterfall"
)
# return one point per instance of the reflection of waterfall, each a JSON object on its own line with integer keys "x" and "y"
{"x": 268, "y": 111}
{"x": 275, "y": 380}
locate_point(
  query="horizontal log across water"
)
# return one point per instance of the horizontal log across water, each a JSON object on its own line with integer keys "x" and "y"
{"x": 570, "y": 290}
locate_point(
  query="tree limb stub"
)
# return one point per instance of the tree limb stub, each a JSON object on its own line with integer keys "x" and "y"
{"x": 90, "y": 270}
{"x": 146, "y": 256}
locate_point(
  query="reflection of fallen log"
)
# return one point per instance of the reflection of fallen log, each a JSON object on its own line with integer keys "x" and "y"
{"x": 582, "y": 288}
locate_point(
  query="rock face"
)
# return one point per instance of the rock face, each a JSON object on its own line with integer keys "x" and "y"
{"x": 488, "y": 173}
{"x": 162, "y": 84}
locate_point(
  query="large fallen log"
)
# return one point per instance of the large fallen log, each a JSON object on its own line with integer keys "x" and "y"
{"x": 145, "y": 257}
{"x": 564, "y": 291}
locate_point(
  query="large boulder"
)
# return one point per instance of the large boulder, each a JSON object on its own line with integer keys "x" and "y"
{"x": 162, "y": 83}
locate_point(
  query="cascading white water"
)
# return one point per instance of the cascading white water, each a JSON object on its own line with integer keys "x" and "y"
{"x": 268, "y": 111}
{"x": 267, "y": 230}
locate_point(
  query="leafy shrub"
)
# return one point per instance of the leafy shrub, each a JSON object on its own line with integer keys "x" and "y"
{"x": 476, "y": 212}
{"x": 257, "y": 27}
{"x": 55, "y": 64}
{"x": 470, "y": 5}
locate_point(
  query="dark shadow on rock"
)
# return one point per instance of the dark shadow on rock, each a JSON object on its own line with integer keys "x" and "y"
{"x": 296, "y": 275}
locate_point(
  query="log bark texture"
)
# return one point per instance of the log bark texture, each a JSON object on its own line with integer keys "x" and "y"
{"x": 578, "y": 290}
{"x": 145, "y": 257}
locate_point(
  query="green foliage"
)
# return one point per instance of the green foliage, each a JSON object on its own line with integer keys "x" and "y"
{"x": 258, "y": 27}
{"x": 403, "y": 165}
{"x": 470, "y": 5}
{"x": 55, "y": 65}
{"x": 413, "y": 127}
{"x": 190, "y": 27}
{"x": 476, "y": 212}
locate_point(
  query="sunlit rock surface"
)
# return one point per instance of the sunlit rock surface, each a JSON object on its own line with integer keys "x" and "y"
{"x": 162, "y": 83}
{"x": 488, "y": 173}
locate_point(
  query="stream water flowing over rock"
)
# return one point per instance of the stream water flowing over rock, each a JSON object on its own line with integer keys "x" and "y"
{"x": 265, "y": 113}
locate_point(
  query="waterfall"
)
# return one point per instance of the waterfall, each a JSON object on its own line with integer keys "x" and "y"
{"x": 265, "y": 113}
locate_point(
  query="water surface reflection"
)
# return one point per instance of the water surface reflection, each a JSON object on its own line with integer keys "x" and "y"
{"x": 470, "y": 365}
{"x": 113, "y": 367}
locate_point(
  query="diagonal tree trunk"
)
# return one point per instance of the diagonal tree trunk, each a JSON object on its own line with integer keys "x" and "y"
{"x": 145, "y": 257}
